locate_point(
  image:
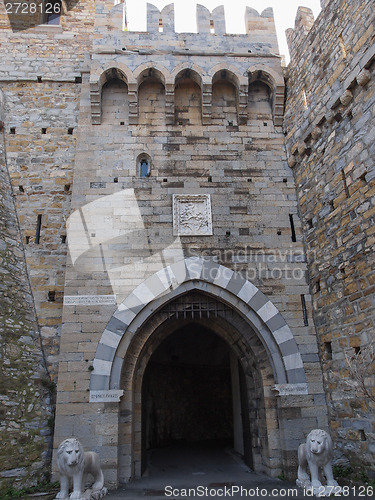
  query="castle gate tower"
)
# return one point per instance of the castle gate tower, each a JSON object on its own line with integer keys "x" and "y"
{"x": 187, "y": 313}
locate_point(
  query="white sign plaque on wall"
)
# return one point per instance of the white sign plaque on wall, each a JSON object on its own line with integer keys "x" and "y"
{"x": 110, "y": 396}
{"x": 89, "y": 300}
{"x": 291, "y": 389}
{"x": 192, "y": 215}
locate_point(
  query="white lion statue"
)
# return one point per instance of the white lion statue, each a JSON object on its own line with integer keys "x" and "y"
{"x": 74, "y": 464}
{"x": 316, "y": 454}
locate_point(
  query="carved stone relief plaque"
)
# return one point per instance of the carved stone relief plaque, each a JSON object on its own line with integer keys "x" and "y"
{"x": 192, "y": 215}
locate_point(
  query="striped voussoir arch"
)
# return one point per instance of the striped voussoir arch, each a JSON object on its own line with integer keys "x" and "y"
{"x": 196, "y": 273}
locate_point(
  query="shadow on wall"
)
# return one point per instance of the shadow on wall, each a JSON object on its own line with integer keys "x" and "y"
{"x": 25, "y": 15}
{"x": 113, "y": 235}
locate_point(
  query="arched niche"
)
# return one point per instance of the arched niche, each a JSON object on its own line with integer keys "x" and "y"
{"x": 188, "y": 97}
{"x": 115, "y": 101}
{"x": 259, "y": 101}
{"x": 100, "y": 77}
{"x": 276, "y": 86}
{"x": 225, "y": 98}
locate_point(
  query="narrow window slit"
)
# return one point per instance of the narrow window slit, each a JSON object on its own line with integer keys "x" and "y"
{"x": 362, "y": 177}
{"x": 316, "y": 287}
{"x": 292, "y": 228}
{"x": 304, "y": 311}
{"x": 304, "y": 99}
{"x": 347, "y": 194}
{"x": 362, "y": 435}
{"x": 38, "y": 228}
{"x": 328, "y": 350}
{"x": 51, "y": 296}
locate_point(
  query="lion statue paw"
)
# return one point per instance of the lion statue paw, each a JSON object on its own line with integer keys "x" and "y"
{"x": 316, "y": 455}
{"x": 74, "y": 465}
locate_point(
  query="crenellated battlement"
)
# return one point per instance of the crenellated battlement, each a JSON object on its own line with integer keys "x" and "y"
{"x": 160, "y": 21}
{"x": 165, "y": 54}
{"x": 211, "y": 22}
{"x": 207, "y": 21}
{"x": 302, "y": 26}
{"x": 260, "y": 31}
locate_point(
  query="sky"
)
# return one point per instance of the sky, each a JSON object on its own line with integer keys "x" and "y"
{"x": 185, "y": 14}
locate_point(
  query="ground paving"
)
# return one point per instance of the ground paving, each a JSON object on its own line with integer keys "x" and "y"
{"x": 203, "y": 472}
{"x": 195, "y": 472}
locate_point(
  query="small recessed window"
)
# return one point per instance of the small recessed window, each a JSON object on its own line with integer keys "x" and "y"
{"x": 53, "y": 11}
{"x": 144, "y": 165}
{"x": 328, "y": 350}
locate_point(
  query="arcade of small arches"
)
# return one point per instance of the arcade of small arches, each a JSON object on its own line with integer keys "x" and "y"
{"x": 187, "y": 95}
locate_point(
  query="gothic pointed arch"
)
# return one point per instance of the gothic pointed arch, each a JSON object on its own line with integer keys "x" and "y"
{"x": 151, "y": 70}
{"x": 210, "y": 277}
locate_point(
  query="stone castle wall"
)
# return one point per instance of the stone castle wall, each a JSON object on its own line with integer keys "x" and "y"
{"x": 86, "y": 102}
{"x": 26, "y": 426}
{"x": 205, "y": 110}
{"x": 40, "y": 78}
{"x": 329, "y": 124}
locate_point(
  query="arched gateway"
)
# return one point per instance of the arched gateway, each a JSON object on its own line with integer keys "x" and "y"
{"x": 216, "y": 313}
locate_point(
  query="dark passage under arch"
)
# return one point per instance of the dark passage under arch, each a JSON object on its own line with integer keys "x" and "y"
{"x": 188, "y": 392}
